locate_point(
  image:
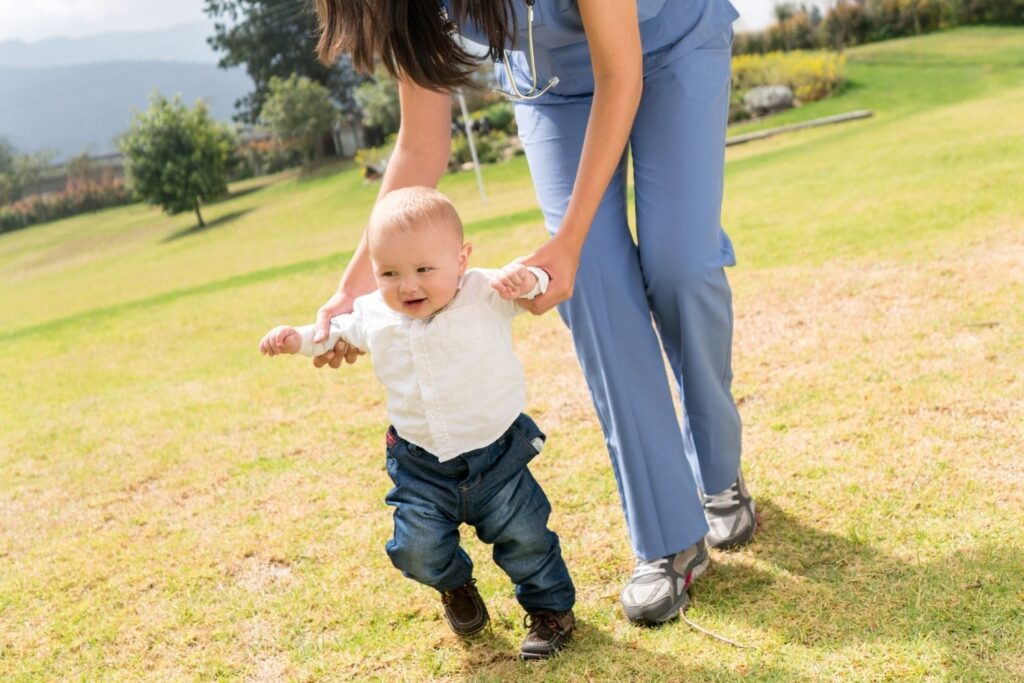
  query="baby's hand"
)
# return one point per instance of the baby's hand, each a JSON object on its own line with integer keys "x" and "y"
{"x": 514, "y": 281}
{"x": 281, "y": 339}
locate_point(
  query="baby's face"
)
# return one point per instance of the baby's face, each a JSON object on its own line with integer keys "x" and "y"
{"x": 418, "y": 272}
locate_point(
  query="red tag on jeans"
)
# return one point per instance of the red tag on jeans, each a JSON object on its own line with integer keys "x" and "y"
{"x": 391, "y": 437}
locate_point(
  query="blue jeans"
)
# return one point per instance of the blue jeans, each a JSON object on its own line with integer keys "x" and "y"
{"x": 492, "y": 490}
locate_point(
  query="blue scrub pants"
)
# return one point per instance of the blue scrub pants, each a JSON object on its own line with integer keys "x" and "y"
{"x": 673, "y": 273}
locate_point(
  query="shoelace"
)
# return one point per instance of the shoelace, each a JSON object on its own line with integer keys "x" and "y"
{"x": 726, "y": 499}
{"x": 645, "y": 567}
{"x": 532, "y": 621}
{"x": 448, "y": 596}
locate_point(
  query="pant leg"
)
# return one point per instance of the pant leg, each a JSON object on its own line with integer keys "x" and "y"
{"x": 512, "y": 515}
{"x": 678, "y": 151}
{"x": 425, "y": 545}
{"x": 618, "y": 349}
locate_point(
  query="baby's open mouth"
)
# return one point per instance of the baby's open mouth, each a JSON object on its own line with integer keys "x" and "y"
{"x": 413, "y": 302}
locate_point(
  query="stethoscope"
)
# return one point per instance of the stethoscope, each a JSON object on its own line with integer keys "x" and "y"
{"x": 517, "y": 94}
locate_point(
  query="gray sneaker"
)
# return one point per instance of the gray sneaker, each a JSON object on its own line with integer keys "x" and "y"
{"x": 731, "y": 516}
{"x": 656, "y": 592}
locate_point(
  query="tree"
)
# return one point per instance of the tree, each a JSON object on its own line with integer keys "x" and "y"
{"x": 80, "y": 168}
{"x": 20, "y": 172}
{"x": 299, "y": 112}
{"x": 275, "y": 38}
{"x": 176, "y": 157}
{"x": 7, "y": 154}
{"x": 378, "y": 99}
{"x": 8, "y": 188}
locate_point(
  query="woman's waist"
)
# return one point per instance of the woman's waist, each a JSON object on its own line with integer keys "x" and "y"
{"x": 678, "y": 28}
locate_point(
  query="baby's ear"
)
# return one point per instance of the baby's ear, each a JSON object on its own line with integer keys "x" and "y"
{"x": 467, "y": 249}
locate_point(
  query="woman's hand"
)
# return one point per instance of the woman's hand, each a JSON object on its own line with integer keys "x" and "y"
{"x": 336, "y": 305}
{"x": 560, "y": 258}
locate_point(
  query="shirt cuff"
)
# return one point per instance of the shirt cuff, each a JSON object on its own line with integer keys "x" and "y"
{"x": 543, "y": 279}
{"x": 308, "y": 348}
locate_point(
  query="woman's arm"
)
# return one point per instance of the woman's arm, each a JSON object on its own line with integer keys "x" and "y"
{"x": 420, "y": 157}
{"x": 613, "y": 35}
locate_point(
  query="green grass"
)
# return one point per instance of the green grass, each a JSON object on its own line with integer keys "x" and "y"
{"x": 175, "y": 507}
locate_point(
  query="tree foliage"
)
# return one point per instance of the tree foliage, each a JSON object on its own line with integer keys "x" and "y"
{"x": 176, "y": 157}
{"x": 378, "y": 99}
{"x": 275, "y": 38}
{"x": 19, "y": 172}
{"x": 7, "y": 154}
{"x": 299, "y": 112}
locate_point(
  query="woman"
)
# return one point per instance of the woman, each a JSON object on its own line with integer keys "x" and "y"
{"x": 587, "y": 77}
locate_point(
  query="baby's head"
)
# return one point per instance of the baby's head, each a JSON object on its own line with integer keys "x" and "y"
{"x": 415, "y": 240}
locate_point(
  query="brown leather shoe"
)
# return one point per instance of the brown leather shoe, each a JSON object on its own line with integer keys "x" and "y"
{"x": 464, "y": 609}
{"x": 549, "y": 632}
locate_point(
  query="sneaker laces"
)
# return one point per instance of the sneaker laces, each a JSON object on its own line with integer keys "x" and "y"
{"x": 645, "y": 567}
{"x": 726, "y": 499}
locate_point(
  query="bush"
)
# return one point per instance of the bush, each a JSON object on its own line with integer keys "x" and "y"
{"x": 854, "y": 22}
{"x": 79, "y": 197}
{"x": 810, "y": 75}
{"x": 489, "y": 148}
{"x": 375, "y": 159}
{"x": 259, "y": 157}
{"x": 499, "y": 116}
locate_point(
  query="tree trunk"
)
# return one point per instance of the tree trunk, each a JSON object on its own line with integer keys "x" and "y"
{"x": 199, "y": 215}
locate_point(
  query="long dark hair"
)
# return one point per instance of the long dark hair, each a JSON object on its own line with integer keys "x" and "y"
{"x": 410, "y": 37}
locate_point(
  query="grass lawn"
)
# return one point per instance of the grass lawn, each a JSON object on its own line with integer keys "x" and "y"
{"x": 175, "y": 507}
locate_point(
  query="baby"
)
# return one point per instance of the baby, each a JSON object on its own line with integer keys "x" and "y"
{"x": 440, "y": 337}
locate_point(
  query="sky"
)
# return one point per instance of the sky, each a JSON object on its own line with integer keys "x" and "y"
{"x": 32, "y": 20}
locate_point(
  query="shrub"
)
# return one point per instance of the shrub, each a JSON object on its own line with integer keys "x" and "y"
{"x": 375, "y": 159}
{"x": 810, "y": 75}
{"x": 489, "y": 147}
{"x": 499, "y": 116}
{"x": 80, "y": 196}
{"x": 258, "y": 157}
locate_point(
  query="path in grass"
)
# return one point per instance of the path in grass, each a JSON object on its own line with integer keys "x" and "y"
{"x": 175, "y": 507}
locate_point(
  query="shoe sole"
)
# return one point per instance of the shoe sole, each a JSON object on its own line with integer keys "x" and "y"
{"x": 475, "y": 631}
{"x": 682, "y": 603}
{"x": 532, "y": 656}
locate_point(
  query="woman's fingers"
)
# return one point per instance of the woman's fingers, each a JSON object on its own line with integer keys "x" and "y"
{"x": 351, "y": 354}
{"x": 323, "y": 359}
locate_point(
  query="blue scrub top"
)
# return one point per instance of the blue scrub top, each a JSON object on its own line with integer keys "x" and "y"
{"x": 668, "y": 30}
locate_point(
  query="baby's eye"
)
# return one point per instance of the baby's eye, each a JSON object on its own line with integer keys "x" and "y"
{"x": 424, "y": 269}
{"x": 388, "y": 273}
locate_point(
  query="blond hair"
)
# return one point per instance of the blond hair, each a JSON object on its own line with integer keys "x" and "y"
{"x": 409, "y": 209}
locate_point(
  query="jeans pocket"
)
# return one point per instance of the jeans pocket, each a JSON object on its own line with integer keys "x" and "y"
{"x": 529, "y": 433}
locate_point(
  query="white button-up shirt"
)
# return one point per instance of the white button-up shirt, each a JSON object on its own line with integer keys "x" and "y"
{"x": 453, "y": 381}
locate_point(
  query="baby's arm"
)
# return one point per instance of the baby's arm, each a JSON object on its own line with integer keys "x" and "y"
{"x": 516, "y": 281}
{"x": 286, "y": 339}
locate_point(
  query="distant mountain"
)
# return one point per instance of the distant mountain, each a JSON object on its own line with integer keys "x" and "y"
{"x": 68, "y": 109}
{"x": 181, "y": 43}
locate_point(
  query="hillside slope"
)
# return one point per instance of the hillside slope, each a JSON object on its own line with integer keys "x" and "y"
{"x": 174, "y": 506}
